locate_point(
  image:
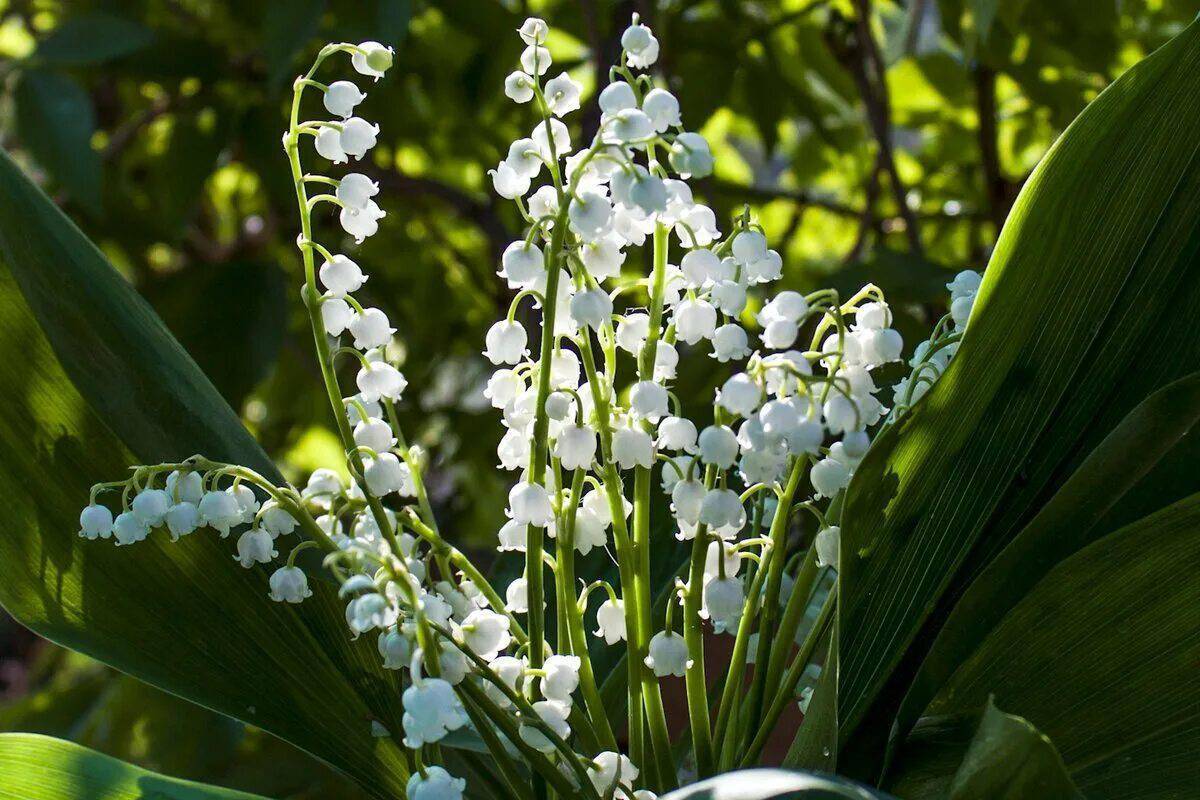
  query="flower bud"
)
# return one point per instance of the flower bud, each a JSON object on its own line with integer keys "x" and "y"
{"x": 372, "y": 59}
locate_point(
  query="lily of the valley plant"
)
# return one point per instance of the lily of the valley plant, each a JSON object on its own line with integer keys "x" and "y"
{"x": 626, "y": 274}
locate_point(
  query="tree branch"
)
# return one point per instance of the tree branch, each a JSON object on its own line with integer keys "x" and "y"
{"x": 997, "y": 188}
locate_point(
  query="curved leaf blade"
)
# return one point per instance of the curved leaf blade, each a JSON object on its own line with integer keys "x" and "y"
{"x": 1101, "y": 656}
{"x": 94, "y": 383}
{"x": 36, "y": 767}
{"x": 55, "y": 121}
{"x": 1064, "y": 525}
{"x": 1106, "y": 227}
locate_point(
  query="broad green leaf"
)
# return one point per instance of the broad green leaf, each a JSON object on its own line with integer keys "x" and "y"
{"x": 1083, "y": 312}
{"x": 55, "y": 122}
{"x": 91, "y": 38}
{"x": 776, "y": 784}
{"x": 36, "y": 767}
{"x": 1101, "y": 656}
{"x": 95, "y": 383}
{"x": 1010, "y": 760}
{"x": 1065, "y": 524}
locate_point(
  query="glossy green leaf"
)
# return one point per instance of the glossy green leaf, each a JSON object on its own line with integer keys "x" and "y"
{"x": 1009, "y": 759}
{"x": 1083, "y": 312}
{"x": 95, "y": 383}
{"x": 36, "y": 767}
{"x": 91, "y": 38}
{"x": 1101, "y": 656}
{"x": 776, "y": 784}
{"x": 1068, "y": 522}
{"x": 816, "y": 742}
{"x": 55, "y": 122}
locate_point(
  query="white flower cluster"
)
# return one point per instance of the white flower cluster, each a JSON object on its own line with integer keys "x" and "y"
{"x": 588, "y": 414}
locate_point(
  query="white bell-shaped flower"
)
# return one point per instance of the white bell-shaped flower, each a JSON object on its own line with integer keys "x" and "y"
{"x": 247, "y": 501}
{"x": 668, "y": 654}
{"x": 529, "y": 504}
{"x": 589, "y": 215}
{"x": 610, "y": 620}
{"x": 505, "y": 342}
{"x": 828, "y": 544}
{"x": 434, "y": 783}
{"x": 690, "y": 155}
{"x": 649, "y": 400}
{"x": 336, "y": 314}
{"x": 842, "y": 414}
{"x": 561, "y": 678}
{"x": 666, "y": 360}
{"x": 722, "y": 508}
{"x": 561, "y": 137}
{"x": 562, "y": 95}
{"x": 276, "y": 520}
{"x": 632, "y": 332}
{"x": 357, "y": 137}
{"x": 729, "y": 297}
{"x": 185, "y": 487}
{"x": 632, "y": 447}
{"x": 855, "y": 445}
{"x": 128, "y": 528}
{"x": 612, "y": 771}
{"x": 516, "y": 597}
{"x": 617, "y": 96}
{"x": 695, "y": 320}
{"x": 718, "y": 446}
{"x": 385, "y": 474}
{"x": 380, "y": 380}
{"x": 780, "y": 334}
{"x": 687, "y": 497}
{"x": 591, "y": 308}
{"x": 559, "y": 406}
{"x": 341, "y": 97}
{"x": 431, "y": 710}
{"x": 829, "y": 477}
{"x": 700, "y": 267}
{"x": 508, "y": 182}
{"x": 255, "y": 546}
{"x": 289, "y": 585}
{"x": 371, "y": 59}
{"x": 341, "y": 276}
{"x": 575, "y": 446}
{"x": 355, "y": 190}
{"x": 518, "y": 87}
{"x": 640, "y": 45}
{"x": 662, "y": 108}
{"x": 677, "y": 433}
{"x": 723, "y": 601}
{"x": 95, "y": 522}
{"x": 375, "y": 434}
{"x": 220, "y": 511}
{"x": 182, "y": 518}
{"x": 328, "y": 143}
{"x": 361, "y": 223}
{"x": 630, "y": 125}
{"x": 533, "y": 31}
{"x": 730, "y": 343}
{"x": 535, "y": 60}
{"x": 521, "y": 265}
{"x": 485, "y": 632}
{"x": 150, "y": 506}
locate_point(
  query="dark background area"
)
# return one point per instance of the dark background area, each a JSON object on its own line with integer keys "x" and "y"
{"x": 888, "y": 152}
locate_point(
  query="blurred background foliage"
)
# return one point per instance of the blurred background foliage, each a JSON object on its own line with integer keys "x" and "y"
{"x": 880, "y": 140}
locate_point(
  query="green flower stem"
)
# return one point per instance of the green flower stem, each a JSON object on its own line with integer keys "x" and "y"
{"x": 575, "y": 634}
{"x": 693, "y": 636}
{"x": 611, "y": 482}
{"x": 770, "y": 602}
{"x": 540, "y": 448}
{"x": 640, "y": 637}
{"x": 788, "y": 687}
{"x": 312, "y": 303}
{"x": 793, "y": 615}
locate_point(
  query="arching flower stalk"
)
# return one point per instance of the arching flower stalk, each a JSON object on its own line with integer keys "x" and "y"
{"x": 627, "y": 274}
